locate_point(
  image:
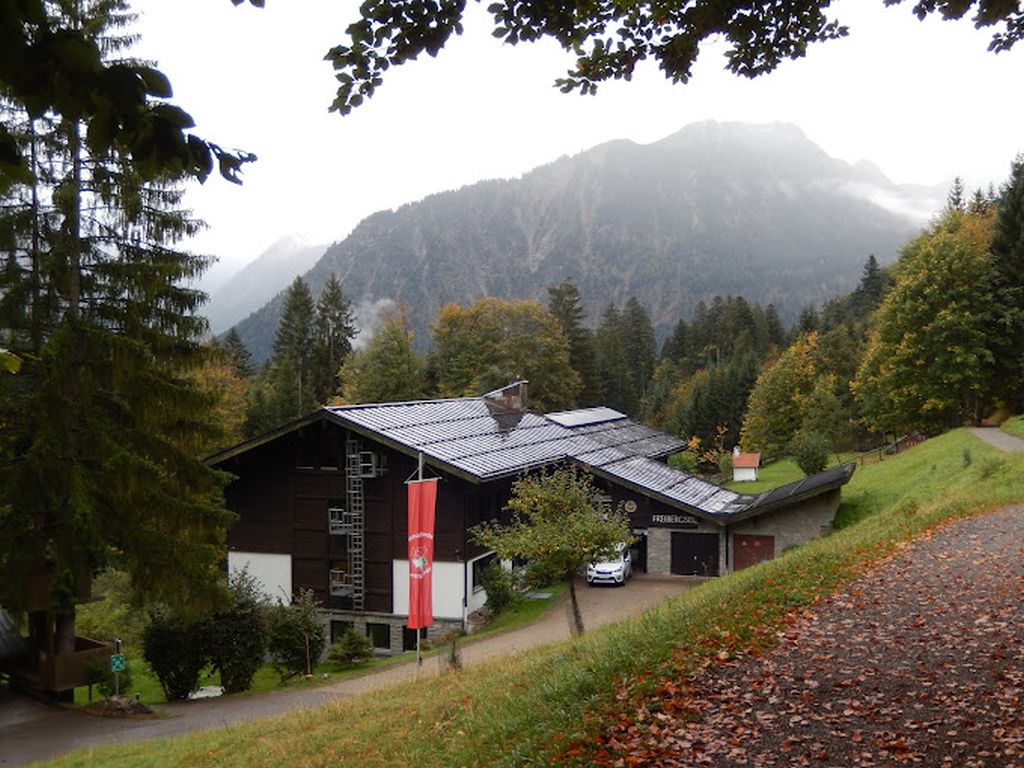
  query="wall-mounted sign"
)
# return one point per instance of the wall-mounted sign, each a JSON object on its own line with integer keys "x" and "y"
{"x": 678, "y": 521}
{"x": 630, "y": 506}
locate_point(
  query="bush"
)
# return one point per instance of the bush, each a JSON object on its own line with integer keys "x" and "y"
{"x": 684, "y": 461}
{"x": 497, "y": 582}
{"x": 175, "y": 650}
{"x": 289, "y": 629}
{"x": 350, "y": 649}
{"x": 810, "y": 451}
{"x": 725, "y": 465}
{"x": 237, "y": 636}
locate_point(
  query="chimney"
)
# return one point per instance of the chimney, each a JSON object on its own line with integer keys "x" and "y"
{"x": 507, "y": 405}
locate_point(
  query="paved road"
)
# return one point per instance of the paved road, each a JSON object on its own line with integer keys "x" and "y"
{"x": 1001, "y": 440}
{"x": 30, "y": 731}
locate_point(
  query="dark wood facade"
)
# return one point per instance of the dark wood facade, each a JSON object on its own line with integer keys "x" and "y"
{"x": 285, "y": 487}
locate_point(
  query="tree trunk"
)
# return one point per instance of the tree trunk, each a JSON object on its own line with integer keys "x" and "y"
{"x": 576, "y": 625}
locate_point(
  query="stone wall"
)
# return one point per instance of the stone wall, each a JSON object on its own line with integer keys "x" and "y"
{"x": 396, "y": 625}
{"x": 794, "y": 525}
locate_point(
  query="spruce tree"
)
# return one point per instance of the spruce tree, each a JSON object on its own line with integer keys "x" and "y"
{"x": 238, "y": 354}
{"x": 292, "y": 363}
{"x": 641, "y": 348}
{"x": 1007, "y": 289}
{"x": 564, "y": 303}
{"x": 103, "y": 426}
{"x": 335, "y": 328}
{"x": 617, "y": 385}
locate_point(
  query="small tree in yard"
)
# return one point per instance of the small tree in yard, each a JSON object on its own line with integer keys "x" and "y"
{"x": 296, "y": 636}
{"x": 175, "y": 649}
{"x": 237, "y": 635}
{"x": 350, "y": 649}
{"x": 810, "y": 451}
{"x": 559, "y": 526}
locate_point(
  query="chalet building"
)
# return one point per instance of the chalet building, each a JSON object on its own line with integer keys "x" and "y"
{"x": 321, "y": 502}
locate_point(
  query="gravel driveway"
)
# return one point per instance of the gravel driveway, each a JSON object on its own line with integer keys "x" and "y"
{"x": 920, "y": 662}
{"x": 30, "y": 731}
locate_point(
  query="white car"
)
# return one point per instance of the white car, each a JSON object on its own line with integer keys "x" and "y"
{"x": 615, "y": 570}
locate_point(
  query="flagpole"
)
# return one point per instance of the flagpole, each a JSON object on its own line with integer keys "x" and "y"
{"x": 419, "y": 477}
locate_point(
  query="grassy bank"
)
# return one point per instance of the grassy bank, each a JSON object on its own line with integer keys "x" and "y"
{"x": 1015, "y": 426}
{"x": 529, "y": 708}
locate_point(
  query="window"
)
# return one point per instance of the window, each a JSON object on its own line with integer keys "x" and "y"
{"x": 379, "y": 634}
{"x": 338, "y": 629}
{"x": 409, "y": 638}
{"x": 478, "y": 570}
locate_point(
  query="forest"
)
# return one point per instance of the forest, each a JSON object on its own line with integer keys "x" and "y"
{"x": 930, "y": 343}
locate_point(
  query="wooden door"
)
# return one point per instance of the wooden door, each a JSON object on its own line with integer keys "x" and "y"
{"x": 750, "y": 550}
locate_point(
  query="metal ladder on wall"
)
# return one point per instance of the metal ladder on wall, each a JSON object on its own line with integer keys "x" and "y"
{"x": 355, "y": 518}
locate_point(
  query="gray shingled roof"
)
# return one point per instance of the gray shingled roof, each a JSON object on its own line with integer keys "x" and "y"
{"x": 480, "y": 443}
{"x": 461, "y": 435}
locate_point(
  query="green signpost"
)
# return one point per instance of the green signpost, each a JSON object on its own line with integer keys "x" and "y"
{"x": 117, "y": 662}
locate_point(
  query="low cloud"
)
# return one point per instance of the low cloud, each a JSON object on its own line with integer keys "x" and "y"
{"x": 368, "y": 314}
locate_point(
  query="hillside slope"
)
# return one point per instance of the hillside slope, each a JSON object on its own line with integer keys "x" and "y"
{"x": 758, "y": 211}
{"x": 563, "y": 699}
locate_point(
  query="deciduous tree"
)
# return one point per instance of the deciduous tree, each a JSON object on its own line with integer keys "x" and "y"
{"x": 388, "y": 369}
{"x": 777, "y": 403}
{"x": 930, "y": 361}
{"x": 495, "y": 341}
{"x": 560, "y": 524}
{"x": 608, "y": 38}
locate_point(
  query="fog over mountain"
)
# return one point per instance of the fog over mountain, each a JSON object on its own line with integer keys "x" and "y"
{"x": 717, "y": 208}
{"x": 259, "y": 281}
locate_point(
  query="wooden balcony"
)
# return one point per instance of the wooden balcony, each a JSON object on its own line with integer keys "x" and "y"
{"x": 64, "y": 671}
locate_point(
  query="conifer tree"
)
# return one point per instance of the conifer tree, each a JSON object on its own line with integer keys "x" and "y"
{"x": 335, "y": 328}
{"x": 104, "y": 427}
{"x": 238, "y": 354}
{"x": 1007, "y": 289}
{"x": 292, "y": 363}
{"x": 776, "y": 330}
{"x": 564, "y": 304}
{"x": 617, "y": 385}
{"x": 641, "y": 348}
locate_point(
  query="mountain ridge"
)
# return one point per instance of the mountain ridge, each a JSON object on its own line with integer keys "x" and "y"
{"x": 715, "y": 208}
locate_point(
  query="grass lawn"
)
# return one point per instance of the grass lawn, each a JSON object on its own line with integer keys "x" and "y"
{"x": 1015, "y": 426}
{"x": 266, "y": 680}
{"x": 549, "y": 705}
{"x": 781, "y": 472}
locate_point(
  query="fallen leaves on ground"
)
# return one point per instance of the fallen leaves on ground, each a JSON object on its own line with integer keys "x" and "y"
{"x": 920, "y": 662}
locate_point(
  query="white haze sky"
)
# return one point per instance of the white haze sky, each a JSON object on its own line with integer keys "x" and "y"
{"x": 924, "y": 101}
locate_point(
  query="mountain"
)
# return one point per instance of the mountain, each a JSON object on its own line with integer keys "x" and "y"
{"x": 717, "y": 208}
{"x": 257, "y": 283}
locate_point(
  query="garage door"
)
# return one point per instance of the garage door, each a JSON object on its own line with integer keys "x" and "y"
{"x": 751, "y": 550}
{"x": 694, "y": 554}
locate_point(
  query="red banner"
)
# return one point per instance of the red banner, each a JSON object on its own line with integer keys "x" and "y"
{"x": 422, "y": 498}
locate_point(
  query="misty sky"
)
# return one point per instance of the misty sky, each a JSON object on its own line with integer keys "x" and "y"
{"x": 924, "y": 101}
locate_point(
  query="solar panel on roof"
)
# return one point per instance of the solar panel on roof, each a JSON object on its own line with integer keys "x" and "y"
{"x": 462, "y": 434}
{"x": 582, "y": 416}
